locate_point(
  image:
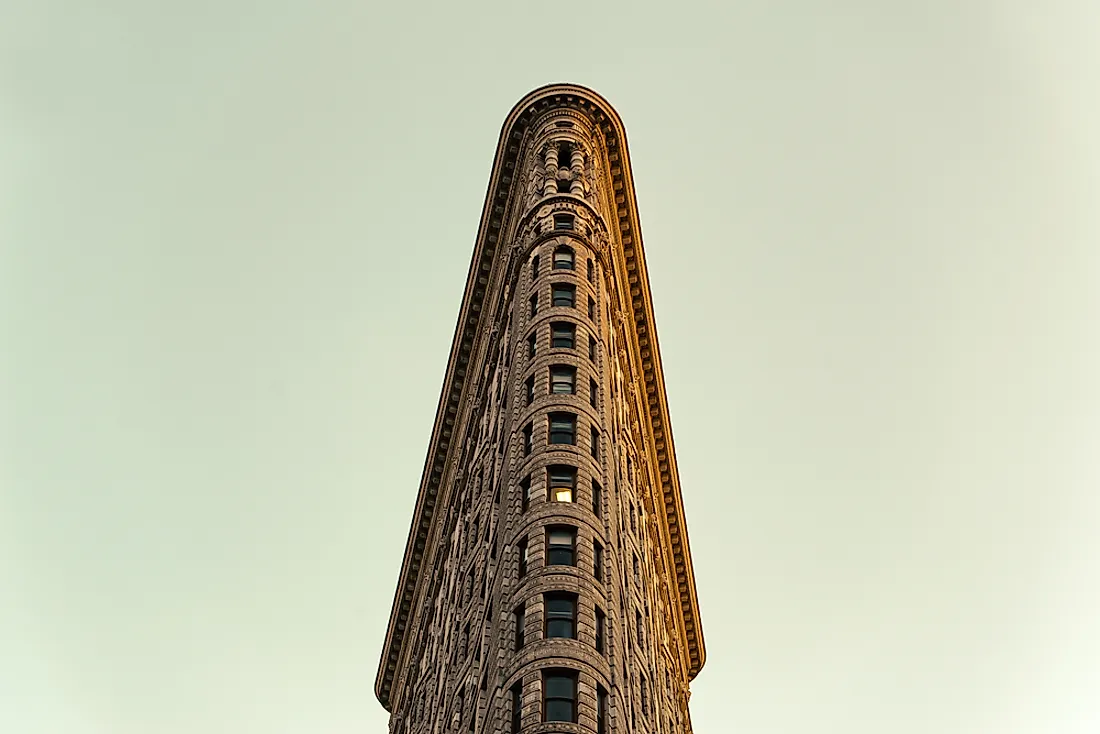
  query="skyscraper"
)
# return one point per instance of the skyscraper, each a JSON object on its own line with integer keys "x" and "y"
{"x": 547, "y": 575}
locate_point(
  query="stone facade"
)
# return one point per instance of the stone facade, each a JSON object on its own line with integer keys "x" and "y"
{"x": 547, "y": 582}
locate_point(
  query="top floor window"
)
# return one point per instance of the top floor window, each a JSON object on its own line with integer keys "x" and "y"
{"x": 563, "y": 259}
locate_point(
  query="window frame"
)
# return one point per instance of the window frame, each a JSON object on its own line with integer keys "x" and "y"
{"x": 558, "y": 292}
{"x": 550, "y": 617}
{"x": 552, "y": 483}
{"x": 563, "y": 263}
{"x": 555, "y": 432}
{"x": 558, "y": 329}
{"x": 559, "y": 674}
{"x": 564, "y": 375}
{"x": 557, "y": 550}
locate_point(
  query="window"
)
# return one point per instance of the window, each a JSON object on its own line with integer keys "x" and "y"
{"x": 559, "y": 690}
{"x": 527, "y": 440}
{"x": 601, "y": 624}
{"x": 592, "y": 348}
{"x": 519, "y": 618}
{"x": 593, "y": 392}
{"x": 591, "y": 308}
{"x": 597, "y": 560}
{"x": 561, "y": 480}
{"x": 563, "y": 428}
{"x": 525, "y": 493}
{"x": 530, "y": 386}
{"x": 591, "y": 271}
{"x": 563, "y": 187}
{"x": 595, "y": 439}
{"x": 565, "y": 155}
{"x": 561, "y": 546}
{"x": 562, "y": 335}
{"x": 517, "y": 707}
{"x": 601, "y": 710}
{"x": 534, "y": 305}
{"x": 521, "y": 553}
{"x": 563, "y": 294}
{"x": 563, "y": 259}
{"x": 531, "y": 345}
{"x": 534, "y": 267}
{"x": 561, "y": 615}
{"x": 563, "y": 221}
{"x": 563, "y": 379}
{"x": 597, "y": 499}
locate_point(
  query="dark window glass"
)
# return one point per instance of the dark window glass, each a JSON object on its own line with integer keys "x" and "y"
{"x": 530, "y": 388}
{"x": 597, "y": 499}
{"x": 563, "y": 221}
{"x": 534, "y": 305}
{"x": 563, "y": 259}
{"x": 531, "y": 345}
{"x": 561, "y": 481}
{"x": 601, "y": 623}
{"x": 525, "y": 494}
{"x": 517, "y": 706}
{"x": 559, "y": 695}
{"x": 592, "y": 348}
{"x": 563, "y": 294}
{"x": 601, "y": 711}
{"x": 521, "y": 552}
{"x": 561, "y": 546}
{"x": 562, "y": 335}
{"x": 563, "y": 379}
{"x": 591, "y": 272}
{"x": 563, "y": 185}
{"x": 561, "y": 615}
{"x": 597, "y": 560}
{"x": 518, "y": 618}
{"x": 595, "y": 438}
{"x": 528, "y": 432}
{"x": 563, "y": 428}
{"x": 534, "y": 267}
{"x": 591, "y": 308}
{"x": 593, "y": 392}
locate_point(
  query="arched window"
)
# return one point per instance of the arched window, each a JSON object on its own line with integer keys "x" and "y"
{"x": 563, "y": 259}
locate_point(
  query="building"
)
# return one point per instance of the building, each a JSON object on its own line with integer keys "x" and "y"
{"x": 547, "y": 575}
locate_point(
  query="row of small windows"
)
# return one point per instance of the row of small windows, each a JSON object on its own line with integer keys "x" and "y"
{"x": 561, "y": 550}
{"x": 563, "y": 381}
{"x": 563, "y": 335}
{"x": 559, "y": 700}
{"x": 562, "y": 295}
{"x": 564, "y": 259}
{"x": 559, "y": 620}
{"x": 562, "y": 429}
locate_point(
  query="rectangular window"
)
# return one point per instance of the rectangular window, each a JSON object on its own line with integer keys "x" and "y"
{"x": 601, "y": 711}
{"x": 524, "y": 494}
{"x": 601, "y": 623}
{"x": 562, "y": 335}
{"x": 534, "y": 267}
{"x": 591, "y": 308}
{"x": 561, "y": 546}
{"x": 597, "y": 560}
{"x": 519, "y": 619}
{"x": 530, "y": 388}
{"x": 563, "y": 428}
{"x": 592, "y": 348}
{"x": 561, "y": 481}
{"x": 595, "y": 442}
{"x": 593, "y": 393}
{"x": 597, "y": 499}
{"x": 517, "y": 707}
{"x": 559, "y": 690}
{"x": 531, "y": 345}
{"x": 563, "y": 221}
{"x": 528, "y": 433}
{"x": 563, "y": 259}
{"x": 563, "y": 295}
{"x": 563, "y": 379}
{"x": 521, "y": 555}
{"x": 561, "y": 615}
{"x": 534, "y": 305}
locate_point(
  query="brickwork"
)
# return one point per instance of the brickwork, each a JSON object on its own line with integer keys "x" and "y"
{"x": 547, "y": 584}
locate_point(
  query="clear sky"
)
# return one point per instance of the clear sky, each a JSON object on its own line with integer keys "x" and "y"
{"x": 233, "y": 241}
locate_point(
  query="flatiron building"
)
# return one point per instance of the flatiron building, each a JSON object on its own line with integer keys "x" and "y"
{"x": 547, "y": 583}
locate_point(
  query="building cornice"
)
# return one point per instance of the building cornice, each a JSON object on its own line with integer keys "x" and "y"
{"x": 456, "y": 384}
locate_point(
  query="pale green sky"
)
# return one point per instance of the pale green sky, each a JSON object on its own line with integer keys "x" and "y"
{"x": 233, "y": 239}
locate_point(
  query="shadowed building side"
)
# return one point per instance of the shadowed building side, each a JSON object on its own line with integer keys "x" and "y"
{"x": 547, "y": 583}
